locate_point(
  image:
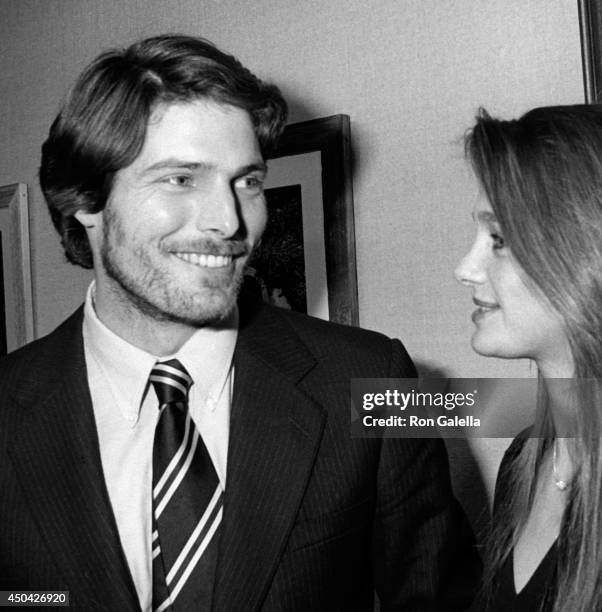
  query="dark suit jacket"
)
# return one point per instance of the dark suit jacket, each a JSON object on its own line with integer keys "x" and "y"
{"x": 313, "y": 519}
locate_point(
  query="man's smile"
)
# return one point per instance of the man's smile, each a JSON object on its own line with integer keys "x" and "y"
{"x": 204, "y": 260}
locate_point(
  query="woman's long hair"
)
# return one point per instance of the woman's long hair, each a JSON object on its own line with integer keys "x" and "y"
{"x": 542, "y": 175}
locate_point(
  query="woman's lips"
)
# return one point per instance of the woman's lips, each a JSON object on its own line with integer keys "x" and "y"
{"x": 484, "y": 308}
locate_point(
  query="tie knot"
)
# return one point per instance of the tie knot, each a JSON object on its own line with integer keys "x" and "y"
{"x": 171, "y": 381}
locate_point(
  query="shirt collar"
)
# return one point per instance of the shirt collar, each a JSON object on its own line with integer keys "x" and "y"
{"x": 206, "y": 355}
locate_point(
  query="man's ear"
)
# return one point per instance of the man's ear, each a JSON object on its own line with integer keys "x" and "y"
{"x": 88, "y": 220}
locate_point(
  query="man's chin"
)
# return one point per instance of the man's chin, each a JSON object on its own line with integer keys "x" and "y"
{"x": 212, "y": 309}
{"x": 195, "y": 304}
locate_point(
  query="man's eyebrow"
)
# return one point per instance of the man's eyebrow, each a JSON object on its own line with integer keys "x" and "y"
{"x": 175, "y": 163}
{"x": 259, "y": 166}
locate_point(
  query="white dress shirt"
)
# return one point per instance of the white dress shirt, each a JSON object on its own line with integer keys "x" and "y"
{"x": 126, "y": 413}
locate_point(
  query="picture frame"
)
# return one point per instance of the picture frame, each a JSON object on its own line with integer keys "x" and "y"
{"x": 590, "y": 27}
{"x": 326, "y": 144}
{"x": 16, "y": 303}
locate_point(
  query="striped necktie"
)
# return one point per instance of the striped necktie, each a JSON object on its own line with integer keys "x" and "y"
{"x": 187, "y": 500}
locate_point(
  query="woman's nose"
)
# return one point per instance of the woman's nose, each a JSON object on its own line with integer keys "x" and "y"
{"x": 471, "y": 269}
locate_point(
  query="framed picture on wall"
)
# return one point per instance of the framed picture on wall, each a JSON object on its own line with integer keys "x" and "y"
{"x": 306, "y": 260}
{"x": 16, "y": 308}
{"x": 590, "y": 26}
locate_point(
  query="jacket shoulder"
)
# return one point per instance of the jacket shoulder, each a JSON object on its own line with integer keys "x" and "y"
{"x": 368, "y": 353}
{"x": 311, "y": 327}
{"x": 37, "y": 362}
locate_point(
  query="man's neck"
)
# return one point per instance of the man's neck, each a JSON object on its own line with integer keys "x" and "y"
{"x": 156, "y": 337}
{"x": 151, "y": 334}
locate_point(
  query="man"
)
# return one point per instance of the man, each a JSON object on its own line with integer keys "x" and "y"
{"x": 166, "y": 448}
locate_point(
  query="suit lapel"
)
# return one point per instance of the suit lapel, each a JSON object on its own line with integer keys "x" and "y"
{"x": 275, "y": 433}
{"x": 56, "y": 455}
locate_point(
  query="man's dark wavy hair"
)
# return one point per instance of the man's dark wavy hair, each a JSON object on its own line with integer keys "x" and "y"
{"x": 102, "y": 125}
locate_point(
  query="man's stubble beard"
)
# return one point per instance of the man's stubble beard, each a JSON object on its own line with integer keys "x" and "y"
{"x": 153, "y": 293}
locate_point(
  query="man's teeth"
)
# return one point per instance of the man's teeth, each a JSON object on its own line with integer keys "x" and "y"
{"x": 206, "y": 261}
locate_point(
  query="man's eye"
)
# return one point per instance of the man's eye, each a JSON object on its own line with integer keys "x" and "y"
{"x": 251, "y": 182}
{"x": 498, "y": 242}
{"x": 179, "y": 180}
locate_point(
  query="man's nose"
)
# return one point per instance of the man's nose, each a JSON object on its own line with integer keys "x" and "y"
{"x": 218, "y": 210}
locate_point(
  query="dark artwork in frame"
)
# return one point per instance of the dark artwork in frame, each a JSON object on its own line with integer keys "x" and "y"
{"x": 277, "y": 268}
{"x": 306, "y": 261}
{"x": 329, "y": 139}
{"x": 590, "y": 27}
{"x": 3, "y": 331}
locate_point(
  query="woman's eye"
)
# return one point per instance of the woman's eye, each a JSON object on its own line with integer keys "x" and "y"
{"x": 498, "y": 241}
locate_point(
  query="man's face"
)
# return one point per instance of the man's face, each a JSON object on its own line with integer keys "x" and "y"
{"x": 182, "y": 219}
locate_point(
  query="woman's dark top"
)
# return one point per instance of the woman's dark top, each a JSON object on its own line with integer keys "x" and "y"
{"x": 505, "y": 598}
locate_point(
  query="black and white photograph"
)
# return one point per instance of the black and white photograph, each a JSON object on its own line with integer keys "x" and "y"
{"x": 3, "y": 343}
{"x": 300, "y": 305}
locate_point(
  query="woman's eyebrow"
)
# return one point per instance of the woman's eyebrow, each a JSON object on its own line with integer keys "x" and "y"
{"x": 486, "y": 216}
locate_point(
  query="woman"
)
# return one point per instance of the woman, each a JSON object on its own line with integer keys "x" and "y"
{"x": 535, "y": 271}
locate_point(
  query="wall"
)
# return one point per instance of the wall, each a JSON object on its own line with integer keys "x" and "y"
{"x": 410, "y": 73}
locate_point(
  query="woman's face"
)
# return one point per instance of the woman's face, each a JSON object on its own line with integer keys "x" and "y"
{"x": 511, "y": 321}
